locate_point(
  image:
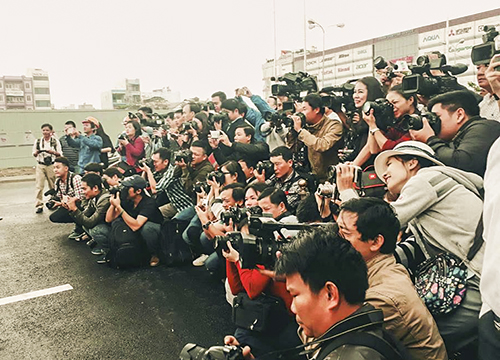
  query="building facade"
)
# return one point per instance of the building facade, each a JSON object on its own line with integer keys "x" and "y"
{"x": 16, "y": 93}
{"x": 454, "y": 38}
{"x": 41, "y": 88}
{"x": 129, "y": 96}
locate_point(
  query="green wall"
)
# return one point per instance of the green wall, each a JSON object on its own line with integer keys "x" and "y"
{"x": 19, "y": 129}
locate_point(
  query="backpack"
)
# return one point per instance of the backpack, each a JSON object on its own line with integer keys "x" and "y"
{"x": 127, "y": 249}
{"x": 370, "y": 184}
{"x": 174, "y": 250}
{"x": 53, "y": 143}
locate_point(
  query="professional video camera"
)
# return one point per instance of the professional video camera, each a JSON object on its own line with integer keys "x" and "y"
{"x": 390, "y": 68}
{"x": 200, "y": 187}
{"x": 237, "y": 214}
{"x": 226, "y": 352}
{"x": 339, "y": 98}
{"x": 481, "y": 54}
{"x": 383, "y": 111}
{"x": 297, "y": 85}
{"x": 218, "y": 176}
{"x": 265, "y": 166}
{"x": 53, "y": 198}
{"x": 183, "y": 155}
{"x": 414, "y": 122}
{"x": 431, "y": 84}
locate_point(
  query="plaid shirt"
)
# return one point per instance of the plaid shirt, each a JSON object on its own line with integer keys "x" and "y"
{"x": 174, "y": 189}
{"x": 73, "y": 190}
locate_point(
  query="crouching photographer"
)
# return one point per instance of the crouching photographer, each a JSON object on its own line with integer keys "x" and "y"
{"x": 92, "y": 217}
{"x": 68, "y": 185}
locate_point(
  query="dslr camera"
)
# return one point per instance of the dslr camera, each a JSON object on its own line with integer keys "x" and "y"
{"x": 189, "y": 125}
{"x": 184, "y": 155}
{"x": 226, "y": 352}
{"x": 200, "y": 187}
{"x": 53, "y": 198}
{"x": 148, "y": 162}
{"x": 266, "y": 167}
{"x": 414, "y": 122}
{"x": 218, "y": 176}
{"x": 237, "y": 214}
{"x": 383, "y": 111}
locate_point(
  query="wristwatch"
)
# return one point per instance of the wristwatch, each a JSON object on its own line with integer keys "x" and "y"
{"x": 206, "y": 225}
{"x": 373, "y": 131}
{"x": 496, "y": 97}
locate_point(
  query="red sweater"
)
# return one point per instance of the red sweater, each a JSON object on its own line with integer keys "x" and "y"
{"x": 394, "y": 137}
{"x": 134, "y": 151}
{"x": 254, "y": 283}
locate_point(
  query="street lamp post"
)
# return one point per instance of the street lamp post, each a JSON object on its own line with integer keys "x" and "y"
{"x": 312, "y": 25}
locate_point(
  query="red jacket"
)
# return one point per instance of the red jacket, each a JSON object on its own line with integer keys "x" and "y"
{"x": 254, "y": 283}
{"x": 134, "y": 151}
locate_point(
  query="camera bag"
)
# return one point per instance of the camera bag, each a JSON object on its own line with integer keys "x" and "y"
{"x": 127, "y": 249}
{"x": 370, "y": 184}
{"x": 263, "y": 314}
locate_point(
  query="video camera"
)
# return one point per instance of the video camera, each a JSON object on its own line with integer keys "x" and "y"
{"x": 391, "y": 68}
{"x": 339, "y": 96}
{"x": 431, "y": 84}
{"x": 183, "y": 155}
{"x": 482, "y": 54}
{"x": 226, "y": 352}
{"x": 297, "y": 85}
{"x": 414, "y": 122}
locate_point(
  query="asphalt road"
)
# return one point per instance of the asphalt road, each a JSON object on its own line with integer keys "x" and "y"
{"x": 109, "y": 314}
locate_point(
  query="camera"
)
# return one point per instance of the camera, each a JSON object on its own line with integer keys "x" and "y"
{"x": 47, "y": 160}
{"x": 332, "y": 174}
{"x": 189, "y": 125}
{"x": 226, "y": 352}
{"x": 184, "y": 155}
{"x": 266, "y": 167}
{"x": 277, "y": 119}
{"x": 295, "y": 87}
{"x": 383, "y": 112}
{"x": 237, "y": 214}
{"x": 482, "y": 53}
{"x": 53, "y": 198}
{"x": 133, "y": 116}
{"x": 215, "y": 134}
{"x": 338, "y": 97}
{"x": 148, "y": 162}
{"x": 200, "y": 187}
{"x": 414, "y": 122}
{"x": 122, "y": 137}
{"x": 326, "y": 190}
{"x": 431, "y": 85}
{"x": 116, "y": 190}
{"x": 218, "y": 176}
{"x": 222, "y": 117}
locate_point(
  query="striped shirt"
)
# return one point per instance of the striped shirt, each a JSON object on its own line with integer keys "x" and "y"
{"x": 174, "y": 189}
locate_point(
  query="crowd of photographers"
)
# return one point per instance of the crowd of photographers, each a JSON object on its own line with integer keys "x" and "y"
{"x": 340, "y": 206}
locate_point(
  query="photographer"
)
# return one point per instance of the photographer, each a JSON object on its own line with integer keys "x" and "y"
{"x": 45, "y": 150}
{"x": 69, "y": 152}
{"x": 248, "y": 166}
{"x": 256, "y": 286}
{"x": 489, "y": 80}
{"x": 131, "y": 145}
{"x": 379, "y": 140}
{"x": 189, "y": 111}
{"x": 255, "y": 116}
{"x": 168, "y": 189}
{"x": 274, "y": 202}
{"x": 285, "y": 177}
{"x": 90, "y": 145}
{"x": 244, "y": 145}
{"x": 356, "y": 137}
{"x": 139, "y": 212}
{"x": 92, "y": 217}
{"x": 322, "y": 135}
{"x": 371, "y": 226}
{"x": 217, "y": 98}
{"x": 112, "y": 177}
{"x": 68, "y": 185}
{"x": 327, "y": 279}
{"x": 235, "y": 111}
{"x": 428, "y": 193}
{"x": 465, "y": 138}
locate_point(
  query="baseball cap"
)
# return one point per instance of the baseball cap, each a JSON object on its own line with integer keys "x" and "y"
{"x": 93, "y": 120}
{"x": 135, "y": 181}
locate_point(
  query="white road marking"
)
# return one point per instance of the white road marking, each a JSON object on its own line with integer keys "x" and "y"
{"x": 34, "y": 294}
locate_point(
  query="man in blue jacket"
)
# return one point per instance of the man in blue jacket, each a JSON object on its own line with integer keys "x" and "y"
{"x": 90, "y": 144}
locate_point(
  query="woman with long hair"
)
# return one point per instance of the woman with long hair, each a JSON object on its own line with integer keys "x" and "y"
{"x": 132, "y": 146}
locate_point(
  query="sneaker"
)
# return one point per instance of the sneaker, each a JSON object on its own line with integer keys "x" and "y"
{"x": 39, "y": 210}
{"x": 155, "y": 261}
{"x": 91, "y": 243}
{"x": 102, "y": 260}
{"x": 75, "y": 235}
{"x": 97, "y": 251}
{"x": 201, "y": 260}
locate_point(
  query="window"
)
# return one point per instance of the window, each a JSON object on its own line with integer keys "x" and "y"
{"x": 28, "y": 98}
{"x": 1, "y": 98}
{"x": 27, "y": 85}
{"x": 40, "y": 78}
{"x": 42, "y": 103}
{"x": 1, "y": 84}
{"x": 42, "y": 91}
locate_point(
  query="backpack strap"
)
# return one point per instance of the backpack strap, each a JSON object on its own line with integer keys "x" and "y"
{"x": 365, "y": 339}
{"x": 38, "y": 144}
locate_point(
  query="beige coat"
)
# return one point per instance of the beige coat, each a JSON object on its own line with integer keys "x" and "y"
{"x": 405, "y": 315}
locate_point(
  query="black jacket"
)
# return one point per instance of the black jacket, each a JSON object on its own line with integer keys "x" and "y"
{"x": 468, "y": 150}
{"x": 254, "y": 152}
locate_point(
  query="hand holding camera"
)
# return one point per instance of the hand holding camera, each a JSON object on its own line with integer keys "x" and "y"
{"x": 231, "y": 254}
{"x": 115, "y": 200}
{"x": 423, "y": 134}
{"x": 492, "y": 74}
{"x": 346, "y": 176}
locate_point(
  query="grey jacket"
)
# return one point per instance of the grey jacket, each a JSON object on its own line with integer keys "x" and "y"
{"x": 95, "y": 211}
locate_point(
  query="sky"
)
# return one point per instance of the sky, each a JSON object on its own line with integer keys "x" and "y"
{"x": 194, "y": 47}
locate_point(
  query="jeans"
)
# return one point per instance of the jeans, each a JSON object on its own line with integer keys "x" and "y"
{"x": 62, "y": 216}
{"x": 150, "y": 233}
{"x": 100, "y": 233}
{"x": 191, "y": 235}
